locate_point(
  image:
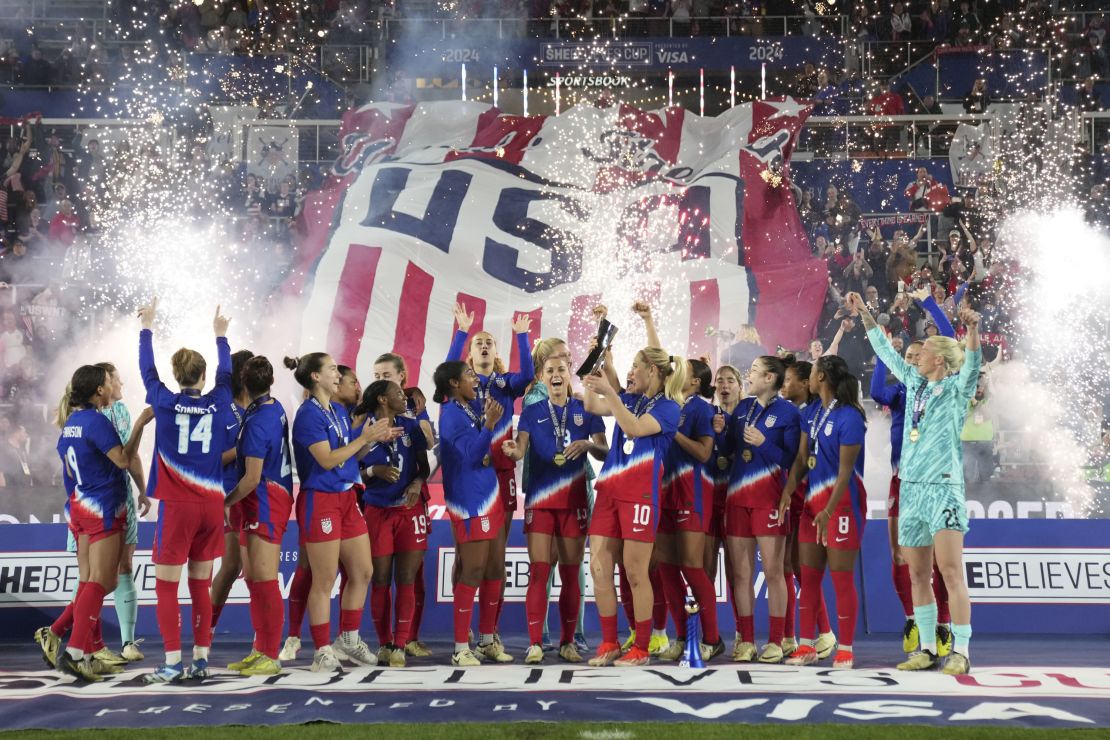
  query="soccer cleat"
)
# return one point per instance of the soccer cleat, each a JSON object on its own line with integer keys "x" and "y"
{"x": 245, "y": 662}
{"x": 919, "y": 660}
{"x": 910, "y": 638}
{"x": 657, "y": 644}
{"x": 770, "y": 653}
{"x": 101, "y": 668}
{"x": 789, "y": 645}
{"x": 534, "y": 655}
{"x": 580, "y": 643}
{"x": 607, "y": 652}
{"x": 417, "y": 649}
{"x": 743, "y": 652}
{"x": 709, "y": 652}
{"x": 568, "y": 651}
{"x": 50, "y": 643}
{"x": 290, "y": 648}
{"x": 107, "y": 655}
{"x": 826, "y": 643}
{"x": 198, "y": 670}
{"x": 843, "y": 659}
{"x": 165, "y": 674}
{"x": 465, "y": 659}
{"x": 79, "y": 668}
{"x": 384, "y": 653}
{"x": 944, "y": 640}
{"x": 634, "y": 657}
{"x": 263, "y": 666}
{"x": 131, "y": 652}
{"x": 672, "y": 652}
{"x": 957, "y": 664}
{"x": 396, "y": 658}
{"x": 495, "y": 652}
{"x": 358, "y": 653}
{"x": 629, "y": 642}
{"x": 804, "y": 655}
{"x": 324, "y": 661}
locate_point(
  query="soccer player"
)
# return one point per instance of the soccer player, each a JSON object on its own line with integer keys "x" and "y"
{"x": 727, "y": 386}
{"x": 628, "y": 489}
{"x": 265, "y": 496}
{"x": 764, "y": 438}
{"x": 229, "y": 426}
{"x": 555, "y": 436}
{"x": 332, "y": 530}
{"x": 394, "y": 474}
{"x": 475, "y": 505}
{"x": 93, "y": 465}
{"x": 505, "y": 388}
{"x": 835, "y": 511}
{"x": 932, "y": 507}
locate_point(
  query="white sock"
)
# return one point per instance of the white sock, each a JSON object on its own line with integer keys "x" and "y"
{"x": 659, "y": 633}
{"x": 350, "y": 638}
{"x": 460, "y": 646}
{"x": 75, "y": 653}
{"x": 200, "y": 652}
{"x": 844, "y": 648}
{"x": 484, "y": 640}
{"x": 173, "y": 657}
{"x": 739, "y": 638}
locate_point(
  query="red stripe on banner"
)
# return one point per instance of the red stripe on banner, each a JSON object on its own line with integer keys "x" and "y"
{"x": 352, "y": 302}
{"x": 581, "y": 328}
{"x": 412, "y": 319}
{"x": 705, "y": 312}
{"x": 478, "y": 306}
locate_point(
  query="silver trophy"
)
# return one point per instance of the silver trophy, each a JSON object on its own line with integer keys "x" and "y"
{"x": 595, "y": 363}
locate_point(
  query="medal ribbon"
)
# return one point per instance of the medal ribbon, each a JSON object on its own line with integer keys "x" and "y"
{"x": 559, "y": 424}
{"x": 813, "y": 432}
{"x": 919, "y": 401}
{"x": 333, "y": 420}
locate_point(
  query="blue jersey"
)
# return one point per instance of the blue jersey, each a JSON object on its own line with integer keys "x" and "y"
{"x": 552, "y": 486}
{"x": 759, "y": 472}
{"x": 829, "y": 430}
{"x": 230, "y": 424}
{"x": 469, "y": 486}
{"x": 687, "y": 483}
{"x": 401, "y": 453}
{"x": 95, "y": 487}
{"x": 266, "y": 436}
{"x": 720, "y": 464}
{"x": 636, "y": 475}
{"x": 315, "y": 424}
{"x": 188, "y": 447}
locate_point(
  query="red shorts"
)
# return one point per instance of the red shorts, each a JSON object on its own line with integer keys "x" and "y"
{"x": 394, "y": 529}
{"x": 267, "y": 522}
{"x": 717, "y": 519}
{"x": 478, "y": 528}
{"x": 557, "y": 522}
{"x": 96, "y": 528}
{"x": 892, "y": 500}
{"x": 624, "y": 520}
{"x": 744, "y": 521}
{"x": 236, "y": 519}
{"x": 845, "y": 532}
{"x": 324, "y": 516}
{"x": 506, "y": 485}
{"x": 188, "y": 530}
{"x": 672, "y": 521}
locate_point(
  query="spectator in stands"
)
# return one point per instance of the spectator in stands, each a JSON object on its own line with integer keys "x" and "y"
{"x": 831, "y": 195}
{"x": 978, "y": 436}
{"x": 900, "y": 24}
{"x": 885, "y": 102}
{"x": 966, "y": 18}
{"x": 11, "y": 70}
{"x": 918, "y": 192}
{"x": 15, "y": 464}
{"x": 963, "y": 36}
{"x": 13, "y": 342}
{"x": 1009, "y": 35}
{"x": 65, "y": 69}
{"x": 64, "y": 225}
{"x": 282, "y": 203}
{"x": 37, "y": 71}
{"x": 679, "y": 11}
{"x": 1093, "y": 58}
{"x": 236, "y": 19}
{"x": 858, "y": 273}
{"x": 977, "y": 100}
{"x": 876, "y": 304}
{"x": 252, "y": 196}
{"x": 90, "y": 164}
{"x": 56, "y": 166}
{"x": 1087, "y": 98}
{"x": 15, "y": 268}
{"x": 32, "y": 234}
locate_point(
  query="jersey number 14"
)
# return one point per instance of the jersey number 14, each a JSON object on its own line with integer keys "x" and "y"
{"x": 202, "y": 433}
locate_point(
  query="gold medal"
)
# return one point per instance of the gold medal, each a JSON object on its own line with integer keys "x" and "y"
{"x": 722, "y": 463}
{"x": 914, "y": 435}
{"x": 629, "y": 445}
{"x": 811, "y": 463}
{"x": 485, "y": 461}
{"x": 560, "y": 459}
{"x": 747, "y": 455}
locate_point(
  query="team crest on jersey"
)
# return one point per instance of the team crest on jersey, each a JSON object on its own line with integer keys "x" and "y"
{"x": 325, "y": 525}
{"x": 405, "y": 439}
{"x": 485, "y": 524}
{"x": 828, "y": 428}
{"x": 579, "y": 420}
{"x": 500, "y": 381}
{"x": 938, "y": 390}
{"x": 771, "y": 421}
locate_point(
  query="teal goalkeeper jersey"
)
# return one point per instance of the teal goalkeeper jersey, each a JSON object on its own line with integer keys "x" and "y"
{"x": 937, "y": 455}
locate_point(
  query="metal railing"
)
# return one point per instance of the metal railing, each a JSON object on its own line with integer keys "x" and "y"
{"x": 1096, "y": 129}
{"x": 883, "y": 59}
{"x": 346, "y": 63}
{"x": 863, "y": 137}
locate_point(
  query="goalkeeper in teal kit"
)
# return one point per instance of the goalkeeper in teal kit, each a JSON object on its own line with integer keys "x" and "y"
{"x": 932, "y": 508}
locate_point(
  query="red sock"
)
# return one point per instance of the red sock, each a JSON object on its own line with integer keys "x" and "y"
{"x": 298, "y": 599}
{"x": 321, "y": 634}
{"x": 822, "y": 610}
{"x": 406, "y": 603}
{"x": 674, "y": 591}
{"x": 809, "y": 602}
{"x": 217, "y": 609}
{"x": 643, "y": 634}
{"x": 418, "y": 604}
{"x": 168, "y": 612}
{"x": 201, "y": 594}
{"x": 608, "y": 629}
{"x": 706, "y": 596}
{"x": 500, "y": 606}
{"x": 901, "y": 576}
{"x": 489, "y": 599}
{"x": 660, "y": 599}
{"x": 96, "y": 639}
{"x": 535, "y": 601}
{"x": 464, "y": 608}
{"x": 626, "y": 600}
{"x": 258, "y": 618}
{"x": 86, "y": 612}
{"x": 65, "y": 620}
{"x": 747, "y": 627}
{"x": 791, "y": 604}
{"x": 350, "y": 620}
{"x": 268, "y": 594}
{"x": 940, "y": 593}
{"x": 847, "y": 604}
{"x": 380, "y": 608}
{"x": 570, "y": 601}
{"x": 778, "y": 626}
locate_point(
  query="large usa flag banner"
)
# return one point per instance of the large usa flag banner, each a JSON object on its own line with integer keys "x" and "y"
{"x": 435, "y": 203}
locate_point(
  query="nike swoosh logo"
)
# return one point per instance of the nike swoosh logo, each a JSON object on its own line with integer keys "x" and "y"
{"x": 638, "y": 529}
{"x": 841, "y": 539}
{"x": 543, "y": 421}
{"x": 421, "y": 540}
{"x": 232, "y": 427}
{"x": 683, "y": 519}
{"x": 253, "y": 526}
{"x": 530, "y": 623}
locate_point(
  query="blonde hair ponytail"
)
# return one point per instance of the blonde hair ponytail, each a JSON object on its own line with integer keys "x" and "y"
{"x": 948, "y": 348}
{"x": 672, "y": 370}
{"x": 64, "y": 408}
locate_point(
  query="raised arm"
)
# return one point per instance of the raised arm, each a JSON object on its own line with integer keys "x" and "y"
{"x": 223, "y": 354}
{"x": 973, "y": 354}
{"x": 519, "y": 381}
{"x": 879, "y": 342}
{"x": 882, "y": 393}
{"x": 151, "y": 381}
{"x": 643, "y": 310}
{"x": 458, "y": 343}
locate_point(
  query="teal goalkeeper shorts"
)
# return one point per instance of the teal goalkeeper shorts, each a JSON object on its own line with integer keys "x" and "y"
{"x": 927, "y": 508}
{"x": 130, "y": 537}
